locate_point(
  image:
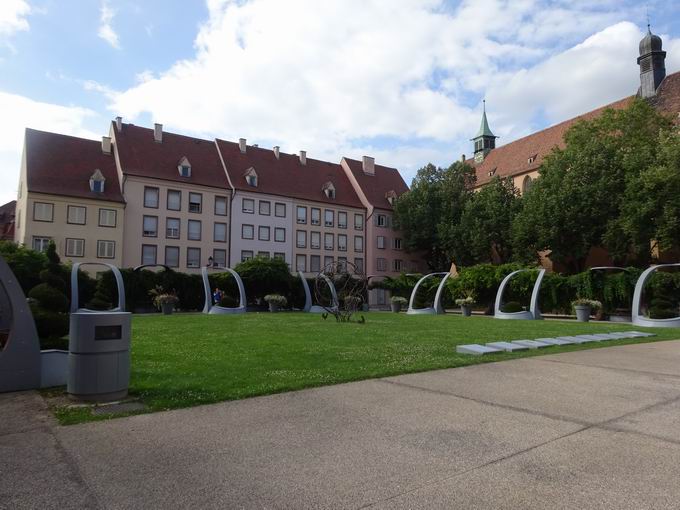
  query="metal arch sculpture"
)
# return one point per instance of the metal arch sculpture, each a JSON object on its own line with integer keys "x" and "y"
{"x": 335, "y": 303}
{"x": 436, "y": 308}
{"x": 638, "y": 318}
{"x": 20, "y": 362}
{"x": 308, "y": 293}
{"x": 211, "y": 308}
{"x": 534, "y": 312}
{"x": 74, "y": 287}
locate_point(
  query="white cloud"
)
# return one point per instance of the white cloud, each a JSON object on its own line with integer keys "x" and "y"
{"x": 69, "y": 120}
{"x": 106, "y": 32}
{"x": 13, "y": 16}
{"x": 340, "y": 77}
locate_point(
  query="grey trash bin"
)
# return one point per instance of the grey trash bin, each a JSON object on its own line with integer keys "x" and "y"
{"x": 99, "y": 347}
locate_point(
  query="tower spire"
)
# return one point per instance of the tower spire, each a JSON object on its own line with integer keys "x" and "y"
{"x": 485, "y": 140}
{"x": 652, "y": 63}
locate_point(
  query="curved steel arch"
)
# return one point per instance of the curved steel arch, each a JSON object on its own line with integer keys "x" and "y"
{"x": 335, "y": 303}
{"x": 436, "y": 308}
{"x": 210, "y": 308}
{"x": 20, "y": 362}
{"x": 641, "y": 320}
{"x": 74, "y": 288}
{"x": 534, "y": 312}
{"x": 308, "y": 293}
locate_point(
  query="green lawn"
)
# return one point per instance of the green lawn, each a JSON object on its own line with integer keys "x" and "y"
{"x": 189, "y": 359}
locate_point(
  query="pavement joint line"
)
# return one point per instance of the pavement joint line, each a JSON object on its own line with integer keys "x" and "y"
{"x": 22, "y": 431}
{"x": 646, "y": 372}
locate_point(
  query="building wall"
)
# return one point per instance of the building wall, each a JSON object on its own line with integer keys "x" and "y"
{"x": 350, "y": 254}
{"x": 239, "y": 244}
{"x": 133, "y": 190}
{"x": 59, "y": 229}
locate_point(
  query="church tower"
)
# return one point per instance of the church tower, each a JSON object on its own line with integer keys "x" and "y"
{"x": 484, "y": 140}
{"x": 652, "y": 64}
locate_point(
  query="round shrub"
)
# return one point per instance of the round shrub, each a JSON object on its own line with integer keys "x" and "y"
{"x": 50, "y": 324}
{"x": 49, "y": 298}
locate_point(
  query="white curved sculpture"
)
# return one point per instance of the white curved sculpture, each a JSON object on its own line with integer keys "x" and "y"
{"x": 638, "y": 318}
{"x": 335, "y": 303}
{"x": 308, "y": 294}
{"x": 210, "y": 308}
{"x": 436, "y": 308}
{"x": 534, "y": 312}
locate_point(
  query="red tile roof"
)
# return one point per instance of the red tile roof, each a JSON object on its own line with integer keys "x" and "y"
{"x": 7, "y": 212}
{"x": 141, "y": 155}
{"x": 286, "y": 176}
{"x": 62, "y": 165}
{"x": 375, "y": 187}
{"x": 513, "y": 158}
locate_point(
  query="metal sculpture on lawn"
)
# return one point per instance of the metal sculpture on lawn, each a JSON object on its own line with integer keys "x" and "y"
{"x": 19, "y": 344}
{"x": 215, "y": 308}
{"x": 436, "y": 308}
{"x": 308, "y": 294}
{"x": 344, "y": 279}
{"x": 534, "y": 312}
{"x": 638, "y": 318}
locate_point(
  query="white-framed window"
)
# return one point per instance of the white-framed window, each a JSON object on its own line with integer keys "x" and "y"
{"x": 150, "y": 226}
{"x": 172, "y": 256}
{"x": 396, "y": 243}
{"x": 75, "y": 247}
{"x": 342, "y": 219}
{"x": 194, "y": 230}
{"x": 329, "y": 218}
{"x": 184, "y": 171}
{"x": 397, "y": 265}
{"x": 174, "y": 200}
{"x": 380, "y": 242}
{"x": 107, "y": 217}
{"x": 381, "y": 220}
{"x": 301, "y": 214}
{"x": 263, "y": 233}
{"x": 342, "y": 242}
{"x": 172, "y": 228}
{"x": 220, "y": 233}
{"x": 247, "y": 232}
{"x": 327, "y": 260}
{"x": 248, "y": 205}
{"x": 265, "y": 208}
{"x": 97, "y": 186}
{"x": 43, "y": 211}
{"x": 221, "y": 206}
{"x": 106, "y": 249}
{"x": 328, "y": 241}
{"x": 246, "y": 255}
{"x": 358, "y": 243}
{"x": 280, "y": 255}
{"x": 315, "y": 216}
{"x": 280, "y": 235}
{"x": 193, "y": 257}
{"x": 76, "y": 214}
{"x": 301, "y": 263}
{"x": 301, "y": 239}
{"x": 149, "y": 254}
{"x": 220, "y": 258}
{"x": 40, "y": 243}
{"x": 280, "y": 210}
{"x": 315, "y": 240}
{"x": 150, "y": 197}
{"x": 315, "y": 263}
{"x": 381, "y": 264}
{"x": 359, "y": 264}
{"x": 195, "y": 202}
{"x": 358, "y": 222}
{"x": 263, "y": 254}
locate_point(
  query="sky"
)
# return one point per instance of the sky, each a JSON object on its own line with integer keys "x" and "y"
{"x": 400, "y": 80}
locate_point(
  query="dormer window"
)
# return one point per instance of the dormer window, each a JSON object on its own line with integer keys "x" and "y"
{"x": 329, "y": 190}
{"x": 97, "y": 181}
{"x": 492, "y": 172}
{"x": 391, "y": 196}
{"x": 531, "y": 159}
{"x": 184, "y": 167}
{"x": 251, "y": 177}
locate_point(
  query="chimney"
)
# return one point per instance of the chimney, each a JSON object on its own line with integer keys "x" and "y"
{"x": 369, "y": 165}
{"x": 106, "y": 144}
{"x": 158, "y": 133}
{"x": 462, "y": 158}
{"x": 119, "y": 124}
{"x": 276, "y": 151}
{"x": 242, "y": 145}
{"x": 303, "y": 157}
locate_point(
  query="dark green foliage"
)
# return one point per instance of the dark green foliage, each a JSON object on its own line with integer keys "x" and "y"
{"x": 51, "y": 305}
{"x": 50, "y": 325}
{"x": 262, "y": 276}
{"x": 49, "y": 299}
{"x": 25, "y": 263}
{"x": 512, "y": 307}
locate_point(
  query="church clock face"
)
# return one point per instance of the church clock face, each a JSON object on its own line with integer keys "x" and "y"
{"x": 479, "y": 157}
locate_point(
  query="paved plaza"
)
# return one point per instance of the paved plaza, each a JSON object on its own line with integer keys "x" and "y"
{"x": 589, "y": 429}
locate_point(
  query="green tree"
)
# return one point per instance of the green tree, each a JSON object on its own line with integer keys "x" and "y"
{"x": 486, "y": 222}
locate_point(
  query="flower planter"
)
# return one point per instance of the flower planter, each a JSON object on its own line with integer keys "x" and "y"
{"x": 54, "y": 368}
{"x": 273, "y": 307}
{"x": 466, "y": 310}
{"x": 582, "y": 313}
{"x": 396, "y": 307}
{"x": 167, "y": 308}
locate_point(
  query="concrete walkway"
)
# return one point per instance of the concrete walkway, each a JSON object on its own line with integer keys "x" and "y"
{"x": 589, "y": 429}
